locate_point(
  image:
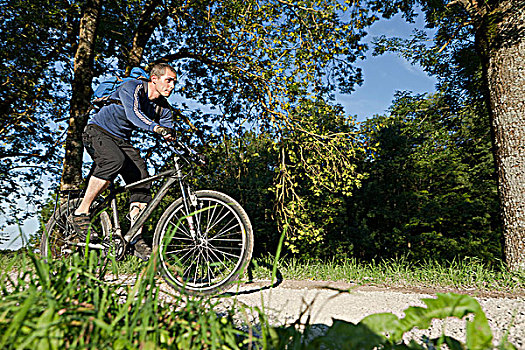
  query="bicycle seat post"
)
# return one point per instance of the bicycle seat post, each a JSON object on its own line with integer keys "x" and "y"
{"x": 114, "y": 210}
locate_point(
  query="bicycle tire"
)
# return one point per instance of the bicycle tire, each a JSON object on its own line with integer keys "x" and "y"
{"x": 209, "y": 264}
{"x": 58, "y": 233}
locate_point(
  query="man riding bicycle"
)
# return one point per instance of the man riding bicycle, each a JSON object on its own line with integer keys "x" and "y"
{"x": 107, "y": 139}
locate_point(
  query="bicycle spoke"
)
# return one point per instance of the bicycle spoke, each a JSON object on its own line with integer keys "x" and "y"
{"x": 198, "y": 216}
{"x": 177, "y": 251}
{"x": 195, "y": 279}
{"x": 221, "y": 233}
{"x": 211, "y": 216}
{"x": 210, "y": 271}
{"x": 232, "y": 250}
{"x": 201, "y": 275}
{"x": 210, "y": 257}
{"x": 182, "y": 257}
{"x": 225, "y": 239}
{"x": 225, "y": 254}
{"x": 216, "y": 222}
{"x": 206, "y": 266}
{"x": 179, "y": 225}
{"x": 176, "y": 238}
{"x": 208, "y": 215}
{"x": 188, "y": 270}
{"x": 176, "y": 243}
{"x": 221, "y": 260}
{"x": 192, "y": 250}
{"x": 218, "y": 259}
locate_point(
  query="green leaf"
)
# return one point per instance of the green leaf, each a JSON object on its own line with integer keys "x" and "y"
{"x": 452, "y": 343}
{"x": 381, "y": 323}
{"x": 346, "y": 335}
{"x": 42, "y": 270}
{"x": 479, "y": 335}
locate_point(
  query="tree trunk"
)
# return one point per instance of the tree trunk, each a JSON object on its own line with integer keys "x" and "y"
{"x": 81, "y": 95}
{"x": 148, "y": 22}
{"x": 501, "y": 39}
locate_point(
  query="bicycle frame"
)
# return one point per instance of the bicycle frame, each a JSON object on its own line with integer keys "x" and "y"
{"x": 172, "y": 176}
{"x": 204, "y": 238}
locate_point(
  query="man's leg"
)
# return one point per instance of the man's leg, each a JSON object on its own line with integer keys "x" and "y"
{"x": 108, "y": 160}
{"x": 95, "y": 187}
{"x": 142, "y": 250}
{"x": 80, "y": 219}
{"x": 135, "y": 169}
{"x": 134, "y": 210}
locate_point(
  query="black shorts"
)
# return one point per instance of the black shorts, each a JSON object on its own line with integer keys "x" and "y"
{"x": 113, "y": 156}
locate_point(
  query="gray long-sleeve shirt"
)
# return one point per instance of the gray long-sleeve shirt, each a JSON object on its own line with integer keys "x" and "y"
{"x": 135, "y": 111}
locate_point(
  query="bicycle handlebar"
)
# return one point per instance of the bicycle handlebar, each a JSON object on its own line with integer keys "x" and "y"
{"x": 182, "y": 149}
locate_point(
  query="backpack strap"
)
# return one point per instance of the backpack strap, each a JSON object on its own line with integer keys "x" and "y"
{"x": 158, "y": 106}
{"x": 165, "y": 104}
{"x": 158, "y": 111}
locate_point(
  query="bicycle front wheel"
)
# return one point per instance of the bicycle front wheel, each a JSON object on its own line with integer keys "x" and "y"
{"x": 204, "y": 250}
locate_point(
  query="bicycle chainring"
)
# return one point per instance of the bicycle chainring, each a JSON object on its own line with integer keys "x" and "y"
{"x": 114, "y": 246}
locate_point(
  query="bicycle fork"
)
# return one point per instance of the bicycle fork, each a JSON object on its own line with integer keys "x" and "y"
{"x": 189, "y": 200}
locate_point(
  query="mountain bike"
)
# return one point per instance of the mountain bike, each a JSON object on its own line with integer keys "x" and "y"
{"x": 204, "y": 239}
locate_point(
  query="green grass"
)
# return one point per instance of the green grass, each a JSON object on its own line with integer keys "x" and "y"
{"x": 467, "y": 274}
{"x": 69, "y": 304}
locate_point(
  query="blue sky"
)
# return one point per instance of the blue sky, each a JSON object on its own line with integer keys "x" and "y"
{"x": 386, "y": 74}
{"x": 383, "y": 76}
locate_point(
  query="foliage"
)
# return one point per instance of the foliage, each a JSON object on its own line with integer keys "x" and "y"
{"x": 400, "y": 272}
{"x": 469, "y": 35}
{"x": 450, "y": 54}
{"x": 281, "y": 147}
{"x": 243, "y": 166}
{"x": 32, "y": 42}
{"x": 431, "y": 190}
{"x": 299, "y": 176}
{"x": 429, "y": 168}
{"x": 252, "y": 60}
{"x": 443, "y": 175}
{"x": 69, "y": 304}
{"x": 317, "y": 172}
{"x": 253, "y": 57}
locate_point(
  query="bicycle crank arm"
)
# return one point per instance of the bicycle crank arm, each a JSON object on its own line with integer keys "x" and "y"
{"x": 90, "y": 245}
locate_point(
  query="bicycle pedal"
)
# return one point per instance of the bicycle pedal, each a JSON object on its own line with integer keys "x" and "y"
{"x": 140, "y": 256}
{"x": 141, "y": 250}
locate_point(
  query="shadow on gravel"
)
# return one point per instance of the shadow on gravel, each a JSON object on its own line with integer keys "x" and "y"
{"x": 257, "y": 285}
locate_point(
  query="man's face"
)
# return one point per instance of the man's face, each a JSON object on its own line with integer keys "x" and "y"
{"x": 166, "y": 83}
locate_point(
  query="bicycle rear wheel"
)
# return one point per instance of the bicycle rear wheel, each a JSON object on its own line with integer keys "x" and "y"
{"x": 204, "y": 251}
{"x": 59, "y": 239}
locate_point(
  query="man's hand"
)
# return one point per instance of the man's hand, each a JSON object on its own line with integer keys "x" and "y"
{"x": 165, "y": 132}
{"x": 201, "y": 159}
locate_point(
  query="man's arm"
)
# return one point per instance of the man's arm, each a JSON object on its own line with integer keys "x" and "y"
{"x": 166, "y": 116}
{"x": 129, "y": 95}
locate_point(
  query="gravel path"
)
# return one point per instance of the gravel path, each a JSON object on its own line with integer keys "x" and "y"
{"x": 323, "y": 303}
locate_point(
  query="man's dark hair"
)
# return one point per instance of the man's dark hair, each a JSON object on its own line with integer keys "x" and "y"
{"x": 159, "y": 69}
